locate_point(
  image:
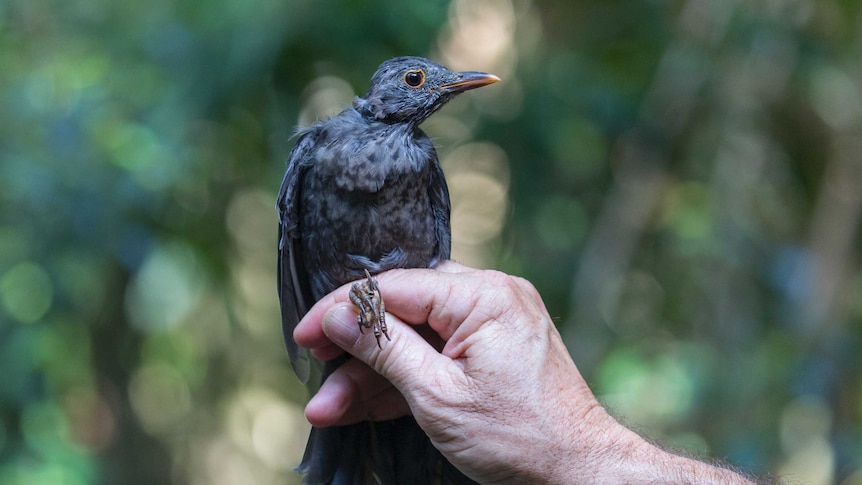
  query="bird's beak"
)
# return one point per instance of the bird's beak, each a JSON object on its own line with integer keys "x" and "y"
{"x": 470, "y": 80}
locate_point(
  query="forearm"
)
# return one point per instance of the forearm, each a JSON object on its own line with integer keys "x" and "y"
{"x": 626, "y": 458}
{"x": 651, "y": 464}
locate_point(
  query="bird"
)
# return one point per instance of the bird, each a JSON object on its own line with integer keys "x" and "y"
{"x": 363, "y": 192}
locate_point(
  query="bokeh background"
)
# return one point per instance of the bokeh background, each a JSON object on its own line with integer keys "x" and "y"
{"x": 679, "y": 178}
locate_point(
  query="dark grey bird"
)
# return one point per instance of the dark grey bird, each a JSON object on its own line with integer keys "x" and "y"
{"x": 364, "y": 191}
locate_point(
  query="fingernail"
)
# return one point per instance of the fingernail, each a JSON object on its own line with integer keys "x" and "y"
{"x": 339, "y": 324}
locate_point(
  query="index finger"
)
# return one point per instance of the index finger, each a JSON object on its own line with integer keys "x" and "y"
{"x": 445, "y": 297}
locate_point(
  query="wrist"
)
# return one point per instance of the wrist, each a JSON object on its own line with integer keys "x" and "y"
{"x": 615, "y": 454}
{"x": 593, "y": 448}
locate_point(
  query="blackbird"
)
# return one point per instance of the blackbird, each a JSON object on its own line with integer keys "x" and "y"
{"x": 364, "y": 193}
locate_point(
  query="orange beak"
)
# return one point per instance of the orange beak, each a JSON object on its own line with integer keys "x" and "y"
{"x": 470, "y": 80}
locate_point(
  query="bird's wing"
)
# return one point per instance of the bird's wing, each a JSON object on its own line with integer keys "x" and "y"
{"x": 293, "y": 284}
{"x": 439, "y": 192}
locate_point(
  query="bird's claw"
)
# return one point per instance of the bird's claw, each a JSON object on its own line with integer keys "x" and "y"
{"x": 365, "y": 294}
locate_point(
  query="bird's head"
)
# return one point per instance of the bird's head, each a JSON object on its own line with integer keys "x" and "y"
{"x": 410, "y": 89}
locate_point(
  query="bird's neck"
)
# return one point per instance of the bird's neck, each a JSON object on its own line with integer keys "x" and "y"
{"x": 371, "y": 111}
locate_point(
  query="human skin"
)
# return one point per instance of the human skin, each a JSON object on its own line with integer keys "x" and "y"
{"x": 477, "y": 361}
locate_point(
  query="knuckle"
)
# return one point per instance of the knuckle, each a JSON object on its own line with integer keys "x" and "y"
{"x": 527, "y": 287}
{"x": 500, "y": 281}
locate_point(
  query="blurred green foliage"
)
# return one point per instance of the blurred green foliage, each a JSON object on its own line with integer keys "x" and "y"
{"x": 683, "y": 185}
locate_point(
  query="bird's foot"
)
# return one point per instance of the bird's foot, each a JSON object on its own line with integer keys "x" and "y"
{"x": 366, "y": 296}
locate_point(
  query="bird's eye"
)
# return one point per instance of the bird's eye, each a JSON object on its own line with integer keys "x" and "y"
{"x": 415, "y": 78}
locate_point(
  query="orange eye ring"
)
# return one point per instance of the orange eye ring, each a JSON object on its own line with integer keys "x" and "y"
{"x": 414, "y": 78}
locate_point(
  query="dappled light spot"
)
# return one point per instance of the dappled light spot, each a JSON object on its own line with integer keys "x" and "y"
{"x": 165, "y": 289}
{"x": 489, "y": 36}
{"x": 479, "y": 36}
{"x": 139, "y": 149}
{"x": 836, "y": 97}
{"x": 92, "y": 424}
{"x": 55, "y": 459}
{"x": 655, "y": 391}
{"x": 160, "y": 398}
{"x": 478, "y": 178}
{"x": 277, "y": 431}
{"x": 251, "y": 224}
{"x": 324, "y": 97}
{"x": 805, "y": 427}
{"x": 689, "y": 213}
{"x": 26, "y": 292}
{"x": 46, "y": 430}
{"x": 249, "y": 220}
{"x": 224, "y": 463}
{"x": 264, "y": 425}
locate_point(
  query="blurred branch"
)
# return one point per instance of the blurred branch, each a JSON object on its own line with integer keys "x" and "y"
{"x": 640, "y": 174}
{"x": 834, "y": 228}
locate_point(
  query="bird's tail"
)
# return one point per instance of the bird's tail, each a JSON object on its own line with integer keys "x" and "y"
{"x": 380, "y": 453}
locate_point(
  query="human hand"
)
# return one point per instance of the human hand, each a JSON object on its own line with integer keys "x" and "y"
{"x": 493, "y": 385}
{"x": 477, "y": 361}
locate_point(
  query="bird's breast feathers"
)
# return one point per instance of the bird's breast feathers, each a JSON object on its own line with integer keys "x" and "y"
{"x": 356, "y": 154}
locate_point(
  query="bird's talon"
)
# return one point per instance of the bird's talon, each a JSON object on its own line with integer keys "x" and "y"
{"x": 366, "y": 296}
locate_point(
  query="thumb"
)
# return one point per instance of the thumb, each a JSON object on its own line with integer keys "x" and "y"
{"x": 403, "y": 360}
